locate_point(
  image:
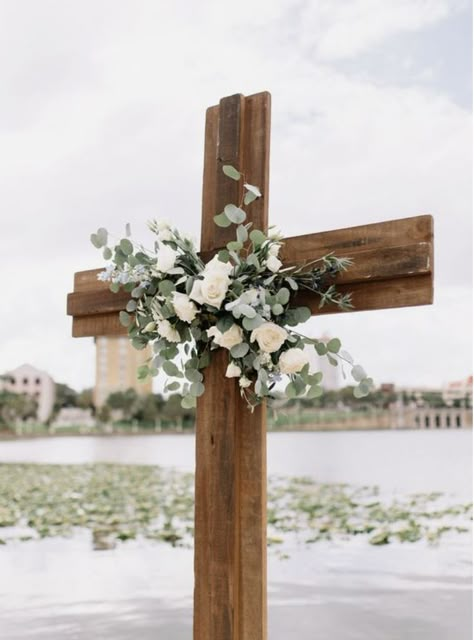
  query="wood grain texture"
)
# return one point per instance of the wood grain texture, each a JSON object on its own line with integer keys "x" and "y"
{"x": 372, "y": 265}
{"x": 230, "y": 511}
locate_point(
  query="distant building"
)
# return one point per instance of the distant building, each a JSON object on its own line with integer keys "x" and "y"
{"x": 35, "y": 383}
{"x": 116, "y": 368}
{"x": 74, "y": 417}
{"x": 459, "y": 390}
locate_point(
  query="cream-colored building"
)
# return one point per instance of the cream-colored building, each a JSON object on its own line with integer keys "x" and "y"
{"x": 458, "y": 390}
{"x": 116, "y": 368}
{"x": 33, "y": 382}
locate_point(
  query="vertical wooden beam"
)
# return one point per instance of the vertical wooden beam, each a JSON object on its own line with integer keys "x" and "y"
{"x": 230, "y": 600}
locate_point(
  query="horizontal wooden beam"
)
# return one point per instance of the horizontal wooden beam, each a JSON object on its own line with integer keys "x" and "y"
{"x": 392, "y": 267}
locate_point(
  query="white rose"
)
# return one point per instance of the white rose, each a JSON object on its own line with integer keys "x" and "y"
{"x": 293, "y": 360}
{"x": 185, "y": 309}
{"x": 229, "y": 338}
{"x": 273, "y": 264}
{"x": 274, "y": 250}
{"x": 233, "y": 371}
{"x": 166, "y": 258}
{"x": 269, "y": 336}
{"x": 165, "y": 330}
{"x": 217, "y": 265}
{"x": 212, "y": 290}
{"x": 244, "y": 382}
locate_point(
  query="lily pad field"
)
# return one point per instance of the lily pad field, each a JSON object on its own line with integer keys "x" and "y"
{"x": 118, "y": 502}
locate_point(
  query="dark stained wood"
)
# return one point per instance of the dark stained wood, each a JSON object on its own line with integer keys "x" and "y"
{"x": 350, "y": 240}
{"x": 371, "y": 265}
{"x": 103, "y": 324}
{"x": 230, "y": 512}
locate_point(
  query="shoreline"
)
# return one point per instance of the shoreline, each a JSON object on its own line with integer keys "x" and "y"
{"x": 6, "y": 436}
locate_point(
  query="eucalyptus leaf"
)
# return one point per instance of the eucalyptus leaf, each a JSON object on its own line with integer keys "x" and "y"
{"x": 315, "y": 391}
{"x": 143, "y": 372}
{"x": 196, "y": 389}
{"x": 234, "y": 246}
{"x": 224, "y": 323}
{"x": 303, "y": 314}
{"x": 247, "y": 311}
{"x": 321, "y": 348}
{"x": 334, "y": 345}
{"x": 283, "y": 296}
{"x": 188, "y": 402}
{"x": 131, "y": 306}
{"x": 95, "y": 241}
{"x": 222, "y": 220}
{"x": 223, "y": 255}
{"x": 139, "y": 344}
{"x": 248, "y": 198}
{"x": 257, "y": 237}
{"x": 114, "y": 287}
{"x": 124, "y": 318}
{"x": 107, "y": 253}
{"x": 347, "y": 356}
{"x": 231, "y": 172}
{"x": 166, "y": 288}
{"x": 242, "y": 234}
{"x": 126, "y": 246}
{"x": 358, "y": 373}
{"x": 252, "y": 323}
{"x": 240, "y": 350}
{"x": 170, "y": 368}
{"x": 234, "y": 214}
{"x": 193, "y": 375}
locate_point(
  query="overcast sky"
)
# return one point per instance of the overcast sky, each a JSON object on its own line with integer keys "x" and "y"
{"x": 102, "y": 122}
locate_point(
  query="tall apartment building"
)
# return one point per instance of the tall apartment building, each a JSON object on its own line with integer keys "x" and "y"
{"x": 116, "y": 368}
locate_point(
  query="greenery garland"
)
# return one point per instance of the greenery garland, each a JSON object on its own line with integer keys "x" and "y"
{"x": 241, "y": 300}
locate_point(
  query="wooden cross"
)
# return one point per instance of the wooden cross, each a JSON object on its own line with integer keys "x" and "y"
{"x": 393, "y": 267}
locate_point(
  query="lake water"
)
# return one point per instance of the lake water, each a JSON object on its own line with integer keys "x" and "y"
{"x": 407, "y": 461}
{"x": 57, "y": 589}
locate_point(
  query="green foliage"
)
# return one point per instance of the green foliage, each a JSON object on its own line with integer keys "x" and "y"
{"x": 178, "y": 299}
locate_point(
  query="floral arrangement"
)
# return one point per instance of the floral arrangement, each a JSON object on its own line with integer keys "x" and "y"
{"x": 241, "y": 300}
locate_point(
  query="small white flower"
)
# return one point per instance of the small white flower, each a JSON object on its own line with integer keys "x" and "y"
{"x": 244, "y": 382}
{"x": 264, "y": 360}
{"x": 273, "y": 264}
{"x": 166, "y": 258}
{"x": 229, "y": 338}
{"x": 293, "y": 360}
{"x": 269, "y": 336}
{"x": 184, "y": 308}
{"x": 165, "y": 330}
{"x": 233, "y": 371}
